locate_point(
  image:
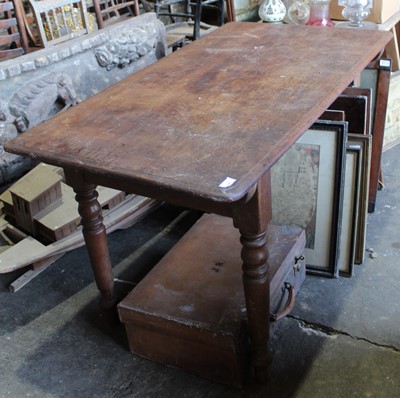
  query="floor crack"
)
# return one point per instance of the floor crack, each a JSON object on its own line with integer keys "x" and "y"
{"x": 329, "y": 331}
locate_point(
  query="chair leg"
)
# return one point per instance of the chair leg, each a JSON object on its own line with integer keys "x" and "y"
{"x": 136, "y": 8}
{"x": 197, "y": 20}
{"x": 230, "y": 11}
{"x": 19, "y": 14}
{"x": 99, "y": 15}
{"x": 221, "y": 12}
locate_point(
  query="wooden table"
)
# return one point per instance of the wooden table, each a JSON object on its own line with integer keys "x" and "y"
{"x": 201, "y": 128}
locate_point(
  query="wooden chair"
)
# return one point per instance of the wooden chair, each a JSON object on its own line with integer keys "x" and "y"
{"x": 13, "y": 39}
{"x": 59, "y": 20}
{"x": 108, "y": 11}
{"x": 189, "y": 11}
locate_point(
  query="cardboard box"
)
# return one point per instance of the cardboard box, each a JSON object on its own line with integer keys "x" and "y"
{"x": 381, "y": 10}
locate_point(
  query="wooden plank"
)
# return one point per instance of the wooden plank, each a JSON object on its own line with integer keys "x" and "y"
{"x": 9, "y": 39}
{"x": 22, "y": 23}
{"x": 20, "y": 253}
{"x": 8, "y": 23}
{"x": 6, "y": 6}
{"x": 175, "y": 40}
{"x": 36, "y": 270}
{"x": 11, "y": 53}
{"x": 29, "y": 251}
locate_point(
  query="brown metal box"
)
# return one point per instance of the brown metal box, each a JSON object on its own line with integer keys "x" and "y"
{"x": 189, "y": 311}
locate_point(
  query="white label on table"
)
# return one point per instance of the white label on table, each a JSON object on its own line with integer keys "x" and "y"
{"x": 227, "y": 182}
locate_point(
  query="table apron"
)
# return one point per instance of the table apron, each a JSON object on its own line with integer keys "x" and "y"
{"x": 76, "y": 178}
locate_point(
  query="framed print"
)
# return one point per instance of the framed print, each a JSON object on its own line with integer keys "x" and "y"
{"x": 365, "y": 142}
{"x": 331, "y": 114}
{"x": 350, "y": 210}
{"x": 355, "y": 108}
{"x": 367, "y": 93}
{"x": 309, "y": 177}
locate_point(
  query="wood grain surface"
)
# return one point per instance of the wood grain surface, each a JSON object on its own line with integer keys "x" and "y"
{"x": 228, "y": 105}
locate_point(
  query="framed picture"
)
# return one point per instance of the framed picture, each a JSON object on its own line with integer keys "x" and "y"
{"x": 366, "y": 93}
{"x": 355, "y": 107}
{"x": 331, "y": 114}
{"x": 365, "y": 142}
{"x": 350, "y": 214}
{"x": 310, "y": 177}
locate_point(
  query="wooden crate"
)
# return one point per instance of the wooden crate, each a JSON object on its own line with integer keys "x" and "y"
{"x": 189, "y": 311}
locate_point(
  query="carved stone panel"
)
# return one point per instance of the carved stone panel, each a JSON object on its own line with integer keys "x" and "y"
{"x": 38, "y": 85}
{"x": 126, "y": 48}
{"x": 42, "y": 99}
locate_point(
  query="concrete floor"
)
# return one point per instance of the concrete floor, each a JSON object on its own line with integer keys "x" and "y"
{"x": 342, "y": 339}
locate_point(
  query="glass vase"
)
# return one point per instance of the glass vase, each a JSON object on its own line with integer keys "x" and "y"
{"x": 355, "y": 11}
{"x": 272, "y": 11}
{"x": 319, "y": 13}
{"x": 297, "y": 12}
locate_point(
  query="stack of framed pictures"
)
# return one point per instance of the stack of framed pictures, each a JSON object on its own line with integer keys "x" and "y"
{"x": 324, "y": 179}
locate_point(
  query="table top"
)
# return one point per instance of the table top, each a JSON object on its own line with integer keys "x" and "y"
{"x": 228, "y": 105}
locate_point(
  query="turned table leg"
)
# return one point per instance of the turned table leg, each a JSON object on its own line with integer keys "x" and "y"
{"x": 256, "y": 291}
{"x": 252, "y": 219}
{"x": 95, "y": 236}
